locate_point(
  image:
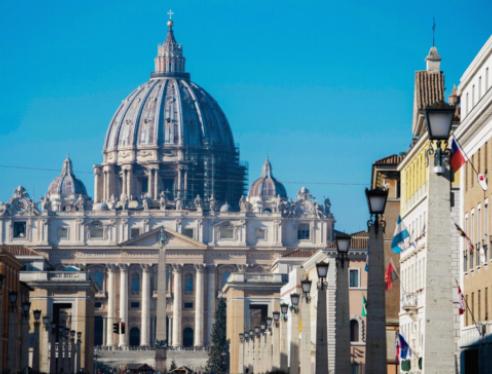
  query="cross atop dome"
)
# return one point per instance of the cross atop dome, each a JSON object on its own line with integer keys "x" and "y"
{"x": 170, "y": 22}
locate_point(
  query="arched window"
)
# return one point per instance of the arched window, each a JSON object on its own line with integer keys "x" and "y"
{"x": 134, "y": 337}
{"x": 354, "y": 330}
{"x": 188, "y": 283}
{"x": 187, "y": 337}
{"x": 135, "y": 283}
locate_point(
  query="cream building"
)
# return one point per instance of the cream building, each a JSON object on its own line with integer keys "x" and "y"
{"x": 169, "y": 166}
{"x": 474, "y": 134}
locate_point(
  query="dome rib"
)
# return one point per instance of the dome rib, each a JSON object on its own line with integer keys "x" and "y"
{"x": 138, "y": 123}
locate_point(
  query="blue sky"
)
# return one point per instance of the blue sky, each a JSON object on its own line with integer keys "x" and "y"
{"x": 322, "y": 88}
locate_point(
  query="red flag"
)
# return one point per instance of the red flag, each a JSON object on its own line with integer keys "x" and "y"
{"x": 389, "y": 276}
{"x": 461, "y": 301}
{"x": 468, "y": 241}
{"x": 458, "y": 158}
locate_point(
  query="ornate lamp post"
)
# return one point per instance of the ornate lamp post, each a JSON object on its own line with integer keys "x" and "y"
{"x": 26, "y": 306}
{"x": 306, "y": 328}
{"x": 284, "y": 347}
{"x": 13, "y": 339}
{"x": 342, "y": 320}
{"x": 439, "y": 349}
{"x": 275, "y": 340}
{"x": 321, "y": 323}
{"x": 35, "y": 354}
{"x": 294, "y": 300}
{"x": 294, "y": 333}
{"x": 376, "y": 316}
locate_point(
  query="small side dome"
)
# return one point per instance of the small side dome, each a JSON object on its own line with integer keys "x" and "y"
{"x": 267, "y": 187}
{"x": 66, "y": 192}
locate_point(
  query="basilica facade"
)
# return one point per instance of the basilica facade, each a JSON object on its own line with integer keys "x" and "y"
{"x": 169, "y": 166}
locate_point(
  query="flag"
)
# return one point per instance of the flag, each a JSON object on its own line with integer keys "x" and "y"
{"x": 404, "y": 347}
{"x": 468, "y": 241}
{"x": 364, "y": 307}
{"x": 458, "y": 158}
{"x": 461, "y": 300}
{"x": 482, "y": 181}
{"x": 390, "y": 275}
{"x": 401, "y": 237}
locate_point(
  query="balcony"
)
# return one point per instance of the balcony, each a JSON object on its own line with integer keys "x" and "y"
{"x": 409, "y": 302}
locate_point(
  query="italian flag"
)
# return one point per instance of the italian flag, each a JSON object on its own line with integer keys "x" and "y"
{"x": 364, "y": 307}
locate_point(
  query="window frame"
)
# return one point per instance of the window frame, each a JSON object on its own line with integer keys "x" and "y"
{"x": 357, "y": 270}
{"x": 301, "y": 231}
{"x": 14, "y": 230}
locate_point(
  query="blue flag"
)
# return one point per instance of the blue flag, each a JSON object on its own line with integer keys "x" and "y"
{"x": 404, "y": 347}
{"x": 401, "y": 237}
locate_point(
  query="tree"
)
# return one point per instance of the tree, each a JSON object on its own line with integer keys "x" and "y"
{"x": 219, "y": 349}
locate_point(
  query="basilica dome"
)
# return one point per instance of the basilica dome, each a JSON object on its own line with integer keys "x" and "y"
{"x": 168, "y": 111}
{"x": 169, "y": 140}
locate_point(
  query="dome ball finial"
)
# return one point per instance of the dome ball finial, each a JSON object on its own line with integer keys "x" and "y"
{"x": 170, "y": 22}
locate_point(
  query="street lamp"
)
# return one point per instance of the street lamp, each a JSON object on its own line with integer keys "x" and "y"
{"x": 245, "y": 335}
{"x": 26, "y": 305}
{"x": 439, "y": 119}
{"x": 276, "y": 317}
{"x": 263, "y": 329}
{"x": 269, "y": 321}
{"x": 343, "y": 246}
{"x": 306, "y": 289}
{"x": 284, "y": 309}
{"x": 376, "y": 200}
{"x": 322, "y": 270}
{"x": 241, "y": 337}
{"x": 13, "y": 298}
{"x": 257, "y": 331}
{"x": 37, "y": 314}
{"x": 294, "y": 300}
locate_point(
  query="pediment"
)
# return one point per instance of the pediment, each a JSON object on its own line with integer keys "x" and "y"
{"x": 171, "y": 239}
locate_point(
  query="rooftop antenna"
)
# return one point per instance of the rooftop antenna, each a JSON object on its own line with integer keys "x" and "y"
{"x": 433, "y": 31}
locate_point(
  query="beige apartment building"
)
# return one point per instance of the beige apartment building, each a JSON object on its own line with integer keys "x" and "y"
{"x": 475, "y": 137}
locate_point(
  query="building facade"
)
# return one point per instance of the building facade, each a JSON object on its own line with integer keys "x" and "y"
{"x": 169, "y": 168}
{"x": 475, "y": 136}
{"x": 416, "y": 171}
{"x": 385, "y": 175}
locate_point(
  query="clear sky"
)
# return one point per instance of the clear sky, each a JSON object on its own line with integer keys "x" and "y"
{"x": 322, "y": 88}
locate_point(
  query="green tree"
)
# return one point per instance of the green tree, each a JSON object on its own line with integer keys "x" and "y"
{"x": 218, "y": 354}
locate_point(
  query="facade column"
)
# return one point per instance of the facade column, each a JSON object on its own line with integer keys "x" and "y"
{"x": 129, "y": 182}
{"x": 177, "y": 305}
{"x": 276, "y": 346}
{"x": 145, "y": 307}
{"x": 161, "y": 312}
{"x": 211, "y": 296}
{"x": 97, "y": 184}
{"x": 123, "y": 338}
{"x": 199, "y": 315}
{"x": 110, "y": 318}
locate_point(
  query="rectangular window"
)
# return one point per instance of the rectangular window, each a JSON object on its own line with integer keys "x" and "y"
{"x": 260, "y": 234}
{"x": 19, "y": 229}
{"x": 134, "y": 232}
{"x": 63, "y": 233}
{"x": 303, "y": 231}
{"x": 465, "y": 261}
{"x": 188, "y": 305}
{"x": 134, "y": 305}
{"x": 227, "y": 232}
{"x": 97, "y": 304}
{"x": 96, "y": 230}
{"x": 485, "y": 158}
{"x": 473, "y": 304}
{"x": 189, "y": 232}
{"x": 486, "y": 303}
{"x": 354, "y": 278}
{"x": 479, "y": 305}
